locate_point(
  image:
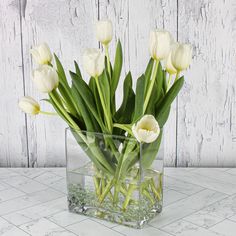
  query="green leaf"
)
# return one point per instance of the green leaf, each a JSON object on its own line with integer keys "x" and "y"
{"x": 148, "y": 73}
{"x": 162, "y": 109}
{"x": 117, "y": 69}
{"x": 151, "y": 108}
{"x": 60, "y": 70}
{"x": 164, "y": 81}
{"x": 150, "y": 152}
{"x": 159, "y": 81}
{"x": 105, "y": 87}
{"x": 139, "y": 98}
{"x": 87, "y": 95}
{"x": 163, "y": 118}
{"x": 90, "y": 122}
{"x": 124, "y": 114}
{"x": 77, "y": 70}
{"x": 93, "y": 87}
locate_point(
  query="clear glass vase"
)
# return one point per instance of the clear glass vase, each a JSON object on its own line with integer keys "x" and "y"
{"x": 114, "y": 177}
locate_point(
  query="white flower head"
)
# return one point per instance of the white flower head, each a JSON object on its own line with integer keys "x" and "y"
{"x": 41, "y": 54}
{"x": 45, "y": 78}
{"x": 159, "y": 44}
{"x": 181, "y": 56}
{"x": 93, "y": 61}
{"x": 29, "y": 105}
{"x": 104, "y": 31}
{"x": 146, "y": 129}
{"x": 168, "y": 62}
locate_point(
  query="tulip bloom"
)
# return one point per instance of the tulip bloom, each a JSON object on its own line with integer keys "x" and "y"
{"x": 42, "y": 54}
{"x": 181, "y": 56}
{"x": 104, "y": 31}
{"x": 93, "y": 62}
{"x": 146, "y": 129}
{"x": 159, "y": 44}
{"x": 45, "y": 79}
{"x": 29, "y": 105}
{"x": 168, "y": 62}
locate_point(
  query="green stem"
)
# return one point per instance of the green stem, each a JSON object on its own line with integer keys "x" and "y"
{"x": 148, "y": 196}
{"x": 177, "y": 76}
{"x": 131, "y": 188}
{"x": 124, "y": 127}
{"x": 96, "y": 184}
{"x": 169, "y": 82}
{"x": 48, "y": 113}
{"x": 103, "y": 105}
{"x": 150, "y": 87}
{"x": 106, "y": 190}
{"x": 64, "y": 112}
{"x": 108, "y": 60}
{"x": 154, "y": 190}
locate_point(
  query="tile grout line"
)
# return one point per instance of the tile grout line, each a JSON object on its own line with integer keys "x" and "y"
{"x": 193, "y": 212}
{"x": 15, "y": 225}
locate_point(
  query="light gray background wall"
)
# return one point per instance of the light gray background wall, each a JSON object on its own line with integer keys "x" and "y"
{"x": 201, "y": 130}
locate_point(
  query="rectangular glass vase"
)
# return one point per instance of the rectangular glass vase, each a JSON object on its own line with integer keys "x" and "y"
{"x": 114, "y": 177}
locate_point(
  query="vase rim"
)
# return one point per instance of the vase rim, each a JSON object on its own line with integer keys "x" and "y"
{"x": 101, "y": 133}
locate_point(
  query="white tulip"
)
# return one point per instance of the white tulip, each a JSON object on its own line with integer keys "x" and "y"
{"x": 93, "y": 62}
{"x": 181, "y": 56}
{"x": 168, "y": 62}
{"x": 146, "y": 129}
{"x": 160, "y": 43}
{"x": 104, "y": 31}
{"x": 41, "y": 54}
{"x": 45, "y": 78}
{"x": 29, "y": 105}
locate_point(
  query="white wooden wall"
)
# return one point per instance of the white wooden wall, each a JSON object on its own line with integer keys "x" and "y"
{"x": 201, "y": 130}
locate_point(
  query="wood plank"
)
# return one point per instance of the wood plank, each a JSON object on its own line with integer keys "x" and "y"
{"x": 13, "y": 142}
{"x": 207, "y": 104}
{"x": 67, "y": 26}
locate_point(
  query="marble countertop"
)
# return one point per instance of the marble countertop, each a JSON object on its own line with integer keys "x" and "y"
{"x": 196, "y": 202}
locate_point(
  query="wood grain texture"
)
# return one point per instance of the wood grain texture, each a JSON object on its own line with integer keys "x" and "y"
{"x": 201, "y": 130}
{"x": 13, "y": 140}
{"x": 67, "y": 26}
{"x": 206, "y": 108}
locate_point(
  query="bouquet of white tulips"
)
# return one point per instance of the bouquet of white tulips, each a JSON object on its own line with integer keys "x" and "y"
{"x": 92, "y": 106}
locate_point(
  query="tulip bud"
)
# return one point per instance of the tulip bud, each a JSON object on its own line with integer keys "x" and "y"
{"x": 181, "y": 56}
{"x": 104, "y": 31}
{"x": 146, "y": 129}
{"x": 159, "y": 45}
{"x": 29, "y": 105}
{"x": 93, "y": 62}
{"x": 41, "y": 54}
{"x": 45, "y": 78}
{"x": 168, "y": 62}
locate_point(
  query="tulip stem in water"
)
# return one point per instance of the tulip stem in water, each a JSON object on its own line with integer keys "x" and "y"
{"x": 149, "y": 92}
{"x": 48, "y": 113}
{"x": 108, "y": 60}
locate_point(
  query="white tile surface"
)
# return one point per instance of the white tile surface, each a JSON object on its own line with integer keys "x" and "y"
{"x": 185, "y": 207}
{"x": 204, "y": 219}
{"x": 45, "y": 227}
{"x": 7, "y": 229}
{"x": 197, "y": 202}
{"x": 65, "y": 218}
{"x": 89, "y": 227}
{"x": 226, "y": 228}
{"x": 183, "y": 228}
